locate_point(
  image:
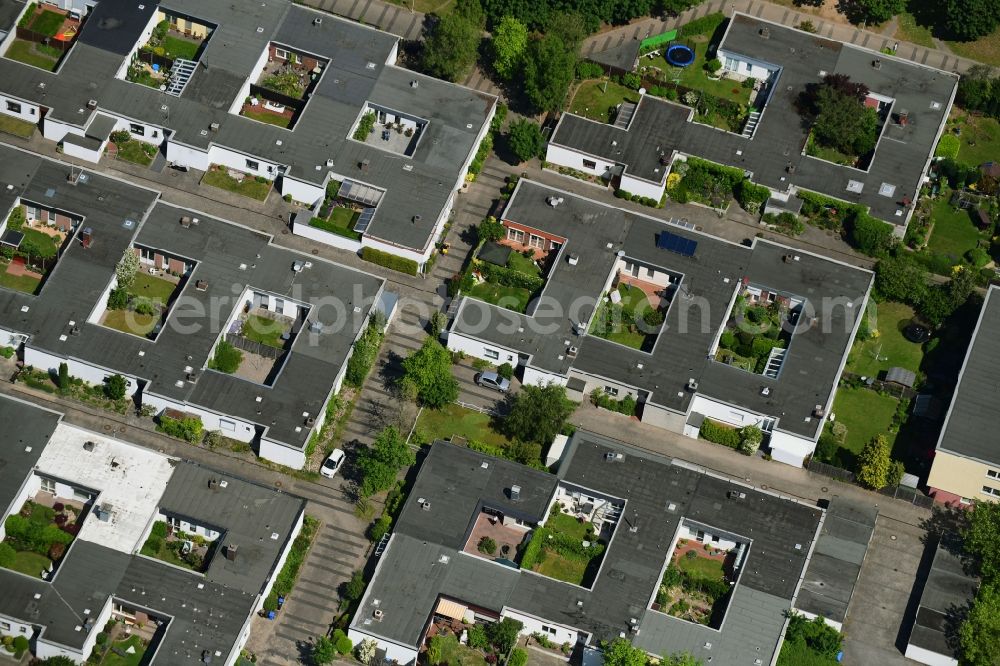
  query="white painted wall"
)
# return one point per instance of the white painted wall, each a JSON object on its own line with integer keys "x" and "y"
{"x": 536, "y": 377}
{"x": 188, "y": 156}
{"x": 16, "y": 628}
{"x": 185, "y": 526}
{"x": 53, "y": 130}
{"x": 594, "y": 382}
{"x": 418, "y": 256}
{"x": 29, "y": 112}
{"x": 925, "y": 656}
{"x": 478, "y": 349}
{"x": 229, "y": 426}
{"x": 401, "y": 654}
{"x": 647, "y": 273}
{"x": 235, "y": 160}
{"x": 570, "y": 158}
{"x": 325, "y": 237}
{"x": 11, "y": 338}
{"x": 308, "y": 193}
{"x": 557, "y": 633}
{"x": 150, "y": 133}
{"x": 29, "y": 487}
{"x": 82, "y": 153}
{"x": 790, "y": 449}
{"x": 745, "y": 66}
{"x": 643, "y": 188}
{"x": 266, "y": 590}
{"x": 282, "y": 454}
{"x": 254, "y": 75}
{"x": 690, "y": 532}
{"x": 45, "y": 650}
{"x": 91, "y": 374}
{"x": 728, "y": 414}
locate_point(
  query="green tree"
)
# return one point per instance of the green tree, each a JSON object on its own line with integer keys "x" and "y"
{"x": 63, "y": 377}
{"x": 519, "y": 657}
{"x": 526, "y": 140}
{"x": 127, "y": 268}
{"x": 503, "y": 634}
{"x": 7, "y": 554}
{"x": 510, "y": 39}
{"x": 681, "y": 659}
{"x": 380, "y": 462}
{"x": 227, "y": 358}
{"x": 620, "y": 652}
{"x": 750, "y": 438}
{"x": 115, "y": 387}
{"x": 979, "y": 635}
{"x": 967, "y": 20}
{"x": 982, "y": 539}
{"x": 490, "y": 229}
{"x": 538, "y": 413}
{"x": 324, "y": 651}
{"x": 452, "y": 47}
{"x": 427, "y": 375}
{"x": 874, "y": 462}
{"x": 548, "y": 70}
{"x": 876, "y": 11}
{"x": 899, "y": 278}
{"x": 844, "y": 123}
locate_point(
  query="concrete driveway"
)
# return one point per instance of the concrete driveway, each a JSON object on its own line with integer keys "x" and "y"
{"x": 473, "y": 394}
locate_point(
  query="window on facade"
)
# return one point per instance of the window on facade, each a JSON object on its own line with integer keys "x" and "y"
{"x": 146, "y": 254}
{"x": 515, "y": 235}
{"x": 81, "y": 495}
{"x": 589, "y": 164}
{"x": 252, "y": 165}
{"x": 137, "y": 129}
{"x": 748, "y": 66}
{"x": 731, "y": 63}
{"x": 13, "y": 107}
{"x": 700, "y": 536}
{"x": 536, "y": 241}
{"x": 31, "y": 111}
{"x": 650, "y": 273}
{"x": 491, "y": 353}
{"x": 964, "y": 501}
{"x": 5, "y": 626}
{"x": 48, "y": 486}
{"x": 988, "y": 490}
{"x": 611, "y": 390}
{"x": 280, "y": 54}
{"x": 993, "y": 474}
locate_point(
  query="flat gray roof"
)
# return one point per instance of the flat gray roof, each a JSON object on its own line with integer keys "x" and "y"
{"x": 356, "y": 73}
{"x": 969, "y": 426}
{"x": 29, "y": 429}
{"x": 72, "y": 291}
{"x": 412, "y": 574}
{"x": 947, "y": 593}
{"x": 803, "y": 58}
{"x": 710, "y": 280}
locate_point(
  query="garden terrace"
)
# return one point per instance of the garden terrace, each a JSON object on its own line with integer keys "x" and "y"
{"x": 346, "y": 209}
{"x": 33, "y": 240}
{"x": 142, "y": 308}
{"x": 179, "y": 548}
{"x": 508, "y": 275}
{"x": 759, "y": 330}
{"x": 43, "y": 36}
{"x": 173, "y": 48}
{"x": 633, "y": 312}
{"x": 284, "y": 86}
{"x": 567, "y": 547}
{"x": 39, "y": 535}
{"x": 390, "y": 130}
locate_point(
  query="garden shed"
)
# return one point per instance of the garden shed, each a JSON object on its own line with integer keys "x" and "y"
{"x": 901, "y": 376}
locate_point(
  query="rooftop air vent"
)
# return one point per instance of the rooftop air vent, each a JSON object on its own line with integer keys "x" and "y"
{"x": 186, "y": 222}
{"x": 692, "y": 384}
{"x": 515, "y": 493}
{"x": 819, "y": 412}
{"x": 904, "y": 117}
{"x": 318, "y": 20}
{"x": 297, "y": 266}
{"x": 613, "y": 456}
{"x": 91, "y": 104}
{"x": 214, "y": 127}
{"x": 201, "y": 285}
{"x": 192, "y": 376}
{"x": 736, "y": 495}
{"x": 573, "y": 259}
{"x": 378, "y": 614}
{"x": 553, "y": 201}
{"x": 765, "y": 32}
{"x": 765, "y": 391}
{"x": 88, "y": 446}
{"x": 414, "y": 83}
{"x": 877, "y": 63}
{"x": 364, "y": 164}
{"x": 426, "y": 506}
{"x": 572, "y": 352}
{"x": 315, "y": 327}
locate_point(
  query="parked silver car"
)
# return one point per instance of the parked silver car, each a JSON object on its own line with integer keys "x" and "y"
{"x": 490, "y": 379}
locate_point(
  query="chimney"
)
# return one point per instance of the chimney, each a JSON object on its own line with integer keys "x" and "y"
{"x": 573, "y": 259}
{"x": 904, "y": 118}
{"x": 364, "y": 165}
{"x": 877, "y": 63}
{"x": 87, "y": 237}
{"x": 515, "y": 493}
{"x": 213, "y": 483}
{"x": 819, "y": 412}
{"x": 88, "y": 446}
{"x": 765, "y": 32}
{"x": 92, "y": 104}
{"x": 231, "y": 552}
{"x": 201, "y": 285}
{"x": 214, "y": 127}
{"x": 186, "y": 222}
{"x": 317, "y": 21}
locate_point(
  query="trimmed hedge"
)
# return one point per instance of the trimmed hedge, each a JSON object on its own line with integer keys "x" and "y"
{"x": 625, "y": 406}
{"x": 391, "y": 261}
{"x": 188, "y": 429}
{"x": 363, "y": 357}
{"x": 509, "y": 277}
{"x": 720, "y": 434}
{"x": 706, "y": 25}
{"x": 285, "y": 580}
{"x": 751, "y": 196}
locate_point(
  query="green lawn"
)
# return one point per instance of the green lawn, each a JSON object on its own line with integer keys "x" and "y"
{"x": 907, "y": 30}
{"x": 153, "y": 288}
{"x": 337, "y": 224}
{"x": 137, "y": 152}
{"x": 512, "y": 298}
{"x": 567, "y": 524}
{"x": 562, "y": 568}
{"x": 47, "y": 22}
{"x": 268, "y": 117}
{"x": 954, "y": 233}
{"x": 30, "y": 563}
{"x": 985, "y": 49}
{"x": 701, "y": 567}
{"x": 454, "y": 653}
{"x": 218, "y": 176}
{"x": 263, "y": 330}
{"x": 519, "y": 262}
{"x": 26, "y": 52}
{"x": 439, "y": 7}
{"x": 165, "y": 554}
{"x": 175, "y": 47}
{"x": 633, "y": 299}
{"x": 452, "y": 420}
{"x": 25, "y": 283}
{"x": 797, "y": 653}
{"x": 866, "y": 414}
{"x": 695, "y": 75}
{"x": 129, "y": 321}
{"x": 980, "y": 140}
{"x": 21, "y": 128}
{"x": 133, "y": 659}
{"x": 890, "y": 320}
{"x": 596, "y": 99}
{"x": 829, "y": 154}
{"x": 143, "y": 77}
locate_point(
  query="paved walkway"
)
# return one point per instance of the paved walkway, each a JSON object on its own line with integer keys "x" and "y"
{"x": 384, "y": 15}
{"x": 844, "y": 32}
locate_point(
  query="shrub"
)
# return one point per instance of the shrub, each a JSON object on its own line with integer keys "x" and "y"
{"x": 56, "y": 551}
{"x": 706, "y": 25}
{"x": 631, "y": 80}
{"x": 390, "y": 261}
{"x": 102, "y": 638}
{"x": 21, "y": 644}
{"x": 118, "y": 299}
{"x": 506, "y": 371}
{"x": 365, "y": 126}
{"x": 7, "y": 554}
{"x": 363, "y": 357}
{"x": 509, "y": 277}
{"x": 713, "y": 65}
{"x": 343, "y": 644}
{"x": 487, "y": 545}
{"x": 115, "y": 387}
{"x": 380, "y": 528}
{"x": 519, "y": 657}
{"x": 477, "y": 637}
{"x": 159, "y": 529}
{"x": 720, "y": 434}
{"x": 120, "y": 137}
{"x": 63, "y": 377}
{"x": 188, "y": 428}
{"x": 588, "y": 70}
{"x": 868, "y": 235}
{"x": 323, "y": 652}
{"x": 7, "y": 352}
{"x": 227, "y": 358}
{"x": 751, "y": 196}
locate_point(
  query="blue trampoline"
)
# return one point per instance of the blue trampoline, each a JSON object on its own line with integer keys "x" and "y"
{"x": 680, "y": 55}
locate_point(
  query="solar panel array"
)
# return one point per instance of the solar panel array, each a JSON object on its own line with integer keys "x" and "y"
{"x": 674, "y": 243}
{"x": 361, "y": 226}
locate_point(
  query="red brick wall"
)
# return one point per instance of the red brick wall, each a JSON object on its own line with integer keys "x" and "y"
{"x": 944, "y": 497}
{"x": 176, "y": 266}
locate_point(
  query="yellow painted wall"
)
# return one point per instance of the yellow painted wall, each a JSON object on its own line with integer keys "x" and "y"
{"x": 197, "y": 30}
{"x": 961, "y": 476}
